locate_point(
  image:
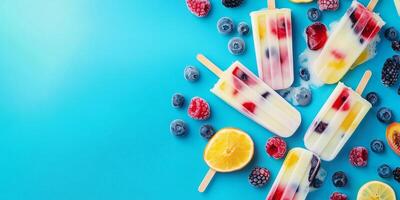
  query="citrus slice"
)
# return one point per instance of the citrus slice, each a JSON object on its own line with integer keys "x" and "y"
{"x": 229, "y": 150}
{"x": 393, "y": 136}
{"x": 376, "y": 190}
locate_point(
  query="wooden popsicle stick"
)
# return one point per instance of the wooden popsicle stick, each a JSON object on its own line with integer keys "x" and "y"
{"x": 271, "y": 4}
{"x": 371, "y": 5}
{"x": 210, "y": 65}
{"x": 206, "y": 180}
{"x": 363, "y": 82}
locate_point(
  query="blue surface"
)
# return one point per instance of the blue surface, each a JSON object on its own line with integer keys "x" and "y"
{"x": 85, "y": 91}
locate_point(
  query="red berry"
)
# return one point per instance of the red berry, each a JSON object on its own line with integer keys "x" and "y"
{"x": 359, "y": 156}
{"x": 200, "y": 8}
{"x": 276, "y": 147}
{"x": 341, "y": 99}
{"x": 328, "y": 4}
{"x": 338, "y": 196}
{"x": 363, "y": 20}
{"x": 249, "y": 106}
{"x": 316, "y": 36}
{"x": 280, "y": 26}
{"x": 199, "y": 109}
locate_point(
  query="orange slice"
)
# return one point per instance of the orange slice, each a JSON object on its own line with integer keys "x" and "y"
{"x": 229, "y": 150}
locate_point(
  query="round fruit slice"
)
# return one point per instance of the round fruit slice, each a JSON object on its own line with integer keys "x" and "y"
{"x": 393, "y": 136}
{"x": 376, "y": 190}
{"x": 229, "y": 150}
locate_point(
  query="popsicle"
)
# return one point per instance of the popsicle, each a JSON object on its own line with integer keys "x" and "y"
{"x": 272, "y": 34}
{"x": 248, "y": 94}
{"x": 295, "y": 176}
{"x": 337, "y": 120}
{"x": 356, "y": 29}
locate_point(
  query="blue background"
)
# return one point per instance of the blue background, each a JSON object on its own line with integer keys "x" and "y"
{"x": 85, "y": 89}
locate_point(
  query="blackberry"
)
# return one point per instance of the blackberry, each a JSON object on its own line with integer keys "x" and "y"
{"x": 396, "y": 174}
{"x": 232, "y": 3}
{"x": 396, "y": 45}
{"x": 259, "y": 176}
{"x": 390, "y": 72}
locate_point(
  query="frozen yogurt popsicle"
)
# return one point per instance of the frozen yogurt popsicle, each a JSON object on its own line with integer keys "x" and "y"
{"x": 337, "y": 120}
{"x": 272, "y": 33}
{"x": 248, "y": 94}
{"x": 356, "y": 29}
{"x": 295, "y": 176}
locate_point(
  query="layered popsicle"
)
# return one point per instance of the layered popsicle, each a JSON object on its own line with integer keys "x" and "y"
{"x": 356, "y": 29}
{"x": 248, "y": 94}
{"x": 272, "y": 34}
{"x": 336, "y": 121}
{"x": 295, "y": 176}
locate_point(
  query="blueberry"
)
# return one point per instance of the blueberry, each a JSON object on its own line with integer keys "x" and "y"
{"x": 321, "y": 126}
{"x": 303, "y": 96}
{"x": 339, "y": 179}
{"x": 243, "y": 28}
{"x": 207, "y": 131}
{"x": 178, "y": 100}
{"x": 316, "y": 183}
{"x": 178, "y": 127}
{"x": 225, "y": 25}
{"x": 313, "y": 14}
{"x": 373, "y": 98}
{"x": 384, "y": 171}
{"x": 304, "y": 74}
{"x": 385, "y": 115}
{"x": 377, "y": 146}
{"x": 191, "y": 73}
{"x": 391, "y": 34}
{"x": 236, "y": 46}
{"x": 285, "y": 92}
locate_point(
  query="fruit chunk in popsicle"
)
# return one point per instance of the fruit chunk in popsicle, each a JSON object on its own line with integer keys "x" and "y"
{"x": 295, "y": 176}
{"x": 356, "y": 29}
{"x": 336, "y": 122}
{"x": 272, "y": 34}
{"x": 248, "y": 94}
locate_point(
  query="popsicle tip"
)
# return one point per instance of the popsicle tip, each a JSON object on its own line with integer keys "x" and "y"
{"x": 363, "y": 82}
{"x": 371, "y": 5}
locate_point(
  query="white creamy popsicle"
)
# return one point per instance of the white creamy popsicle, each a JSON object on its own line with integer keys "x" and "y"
{"x": 245, "y": 92}
{"x": 272, "y": 34}
{"x": 295, "y": 176}
{"x": 356, "y": 29}
{"x": 337, "y": 120}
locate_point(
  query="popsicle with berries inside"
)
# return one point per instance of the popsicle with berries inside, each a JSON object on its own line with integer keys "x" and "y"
{"x": 355, "y": 30}
{"x": 337, "y": 120}
{"x": 248, "y": 94}
{"x": 272, "y": 34}
{"x": 295, "y": 176}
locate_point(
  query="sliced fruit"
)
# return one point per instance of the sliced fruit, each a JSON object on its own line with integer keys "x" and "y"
{"x": 393, "y": 136}
{"x": 376, "y": 190}
{"x": 229, "y": 150}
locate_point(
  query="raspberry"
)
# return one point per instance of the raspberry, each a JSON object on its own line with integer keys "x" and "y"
{"x": 338, "y": 196}
{"x": 200, "y": 8}
{"x": 276, "y": 147}
{"x": 316, "y": 36}
{"x": 328, "y": 4}
{"x": 259, "y": 176}
{"x": 359, "y": 156}
{"x": 199, "y": 109}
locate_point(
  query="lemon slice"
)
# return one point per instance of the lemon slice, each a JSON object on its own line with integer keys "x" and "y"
{"x": 376, "y": 190}
{"x": 229, "y": 150}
